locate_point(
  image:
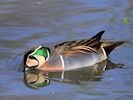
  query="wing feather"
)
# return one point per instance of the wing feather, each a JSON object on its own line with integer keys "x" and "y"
{"x": 80, "y": 46}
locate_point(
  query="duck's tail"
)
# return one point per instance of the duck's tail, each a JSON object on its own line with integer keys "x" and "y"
{"x": 109, "y": 46}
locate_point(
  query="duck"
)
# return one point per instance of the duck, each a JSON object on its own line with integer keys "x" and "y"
{"x": 70, "y": 55}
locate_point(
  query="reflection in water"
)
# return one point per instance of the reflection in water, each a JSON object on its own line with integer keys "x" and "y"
{"x": 35, "y": 78}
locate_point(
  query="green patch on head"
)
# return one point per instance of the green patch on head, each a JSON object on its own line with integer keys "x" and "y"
{"x": 41, "y": 51}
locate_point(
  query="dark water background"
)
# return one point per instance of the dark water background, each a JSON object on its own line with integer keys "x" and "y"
{"x": 24, "y": 23}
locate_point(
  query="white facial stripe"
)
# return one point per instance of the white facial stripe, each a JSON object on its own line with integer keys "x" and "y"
{"x": 35, "y": 50}
{"x": 48, "y": 55}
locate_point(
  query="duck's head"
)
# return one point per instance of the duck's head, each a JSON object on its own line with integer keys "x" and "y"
{"x": 36, "y": 57}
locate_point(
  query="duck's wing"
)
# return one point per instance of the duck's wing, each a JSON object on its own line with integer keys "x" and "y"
{"x": 80, "y": 46}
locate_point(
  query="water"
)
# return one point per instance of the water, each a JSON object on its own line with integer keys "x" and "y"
{"x": 24, "y": 23}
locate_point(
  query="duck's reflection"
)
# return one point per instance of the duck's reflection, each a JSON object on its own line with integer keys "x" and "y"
{"x": 36, "y": 78}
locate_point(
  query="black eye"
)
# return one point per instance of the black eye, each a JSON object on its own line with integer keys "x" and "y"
{"x": 32, "y": 57}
